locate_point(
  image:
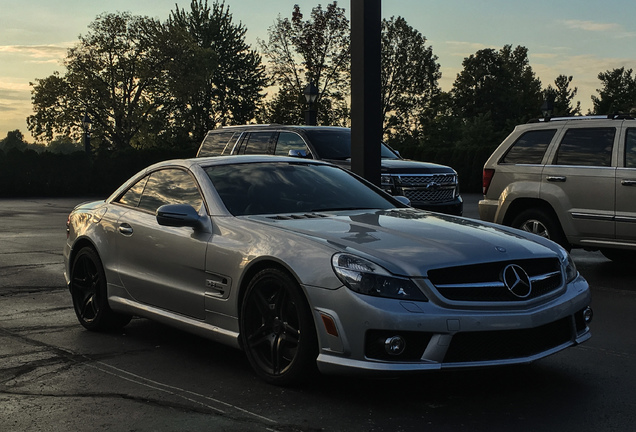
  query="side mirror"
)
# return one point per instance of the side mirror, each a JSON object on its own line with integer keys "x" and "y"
{"x": 178, "y": 215}
{"x": 297, "y": 153}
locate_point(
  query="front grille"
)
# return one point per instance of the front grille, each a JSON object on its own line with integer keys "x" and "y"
{"x": 426, "y": 188}
{"x": 430, "y": 196}
{"x": 484, "y": 282}
{"x": 424, "y": 179}
{"x": 508, "y": 344}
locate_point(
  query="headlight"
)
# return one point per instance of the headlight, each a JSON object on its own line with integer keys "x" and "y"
{"x": 570, "y": 269}
{"x": 364, "y": 277}
{"x": 386, "y": 180}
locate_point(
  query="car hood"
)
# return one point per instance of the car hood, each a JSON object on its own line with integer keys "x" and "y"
{"x": 410, "y": 242}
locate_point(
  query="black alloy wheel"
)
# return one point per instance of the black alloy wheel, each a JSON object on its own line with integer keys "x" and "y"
{"x": 277, "y": 329}
{"x": 88, "y": 290}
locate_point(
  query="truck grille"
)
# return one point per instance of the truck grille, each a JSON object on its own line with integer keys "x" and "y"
{"x": 424, "y": 179}
{"x": 433, "y": 196}
{"x": 429, "y": 188}
{"x": 485, "y": 282}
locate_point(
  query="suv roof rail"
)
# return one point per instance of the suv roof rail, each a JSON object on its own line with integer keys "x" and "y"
{"x": 587, "y": 117}
{"x": 246, "y": 125}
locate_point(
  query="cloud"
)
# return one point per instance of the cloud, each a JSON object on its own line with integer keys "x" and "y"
{"x": 591, "y": 25}
{"x": 41, "y": 53}
{"x": 544, "y": 55}
{"x": 465, "y": 49}
{"x": 10, "y": 94}
{"x": 4, "y": 108}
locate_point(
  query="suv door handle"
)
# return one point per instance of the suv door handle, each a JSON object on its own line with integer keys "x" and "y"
{"x": 628, "y": 182}
{"x": 559, "y": 179}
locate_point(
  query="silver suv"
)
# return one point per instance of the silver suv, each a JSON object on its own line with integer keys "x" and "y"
{"x": 428, "y": 186}
{"x": 572, "y": 180}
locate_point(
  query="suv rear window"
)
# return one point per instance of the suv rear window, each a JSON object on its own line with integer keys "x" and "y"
{"x": 586, "y": 147}
{"x": 216, "y": 144}
{"x": 529, "y": 147}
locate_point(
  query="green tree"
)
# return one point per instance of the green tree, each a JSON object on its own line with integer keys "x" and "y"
{"x": 563, "y": 97}
{"x": 64, "y": 145}
{"x": 410, "y": 75}
{"x": 114, "y": 74}
{"x": 309, "y": 50}
{"x": 618, "y": 94}
{"x": 500, "y": 84}
{"x": 215, "y": 78}
{"x": 13, "y": 141}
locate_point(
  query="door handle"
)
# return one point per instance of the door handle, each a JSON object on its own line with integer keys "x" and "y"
{"x": 556, "y": 179}
{"x": 628, "y": 182}
{"x": 125, "y": 229}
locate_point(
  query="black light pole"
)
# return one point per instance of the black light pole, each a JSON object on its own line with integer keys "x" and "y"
{"x": 311, "y": 94}
{"x": 86, "y": 124}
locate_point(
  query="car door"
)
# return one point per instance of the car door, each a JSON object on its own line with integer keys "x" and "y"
{"x": 162, "y": 266}
{"x": 626, "y": 188}
{"x": 579, "y": 182}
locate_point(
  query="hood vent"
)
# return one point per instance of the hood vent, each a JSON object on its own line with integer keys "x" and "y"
{"x": 298, "y": 216}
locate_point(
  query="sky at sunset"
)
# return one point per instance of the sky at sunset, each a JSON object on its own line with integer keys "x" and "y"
{"x": 579, "y": 38}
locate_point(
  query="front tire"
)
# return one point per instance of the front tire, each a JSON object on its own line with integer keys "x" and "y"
{"x": 277, "y": 329}
{"x": 88, "y": 290}
{"x": 540, "y": 222}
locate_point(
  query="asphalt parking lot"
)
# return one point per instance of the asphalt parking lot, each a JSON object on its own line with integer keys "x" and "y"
{"x": 55, "y": 376}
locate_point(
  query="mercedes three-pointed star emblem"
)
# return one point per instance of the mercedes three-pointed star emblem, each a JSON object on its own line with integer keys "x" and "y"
{"x": 517, "y": 281}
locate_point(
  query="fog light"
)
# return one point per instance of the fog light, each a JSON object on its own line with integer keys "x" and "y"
{"x": 394, "y": 345}
{"x": 588, "y": 314}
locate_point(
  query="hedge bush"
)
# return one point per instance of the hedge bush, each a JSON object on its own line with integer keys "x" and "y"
{"x": 47, "y": 174}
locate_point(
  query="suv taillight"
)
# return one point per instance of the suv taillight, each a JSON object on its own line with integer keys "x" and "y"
{"x": 487, "y": 178}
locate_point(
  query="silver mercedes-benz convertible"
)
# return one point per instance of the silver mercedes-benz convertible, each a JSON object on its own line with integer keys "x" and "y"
{"x": 306, "y": 267}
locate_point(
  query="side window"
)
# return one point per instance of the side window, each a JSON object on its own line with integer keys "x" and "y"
{"x": 257, "y": 143}
{"x": 630, "y": 149}
{"x": 529, "y": 148}
{"x": 131, "y": 196}
{"x": 289, "y": 141}
{"x": 170, "y": 186}
{"x": 586, "y": 147}
{"x": 216, "y": 144}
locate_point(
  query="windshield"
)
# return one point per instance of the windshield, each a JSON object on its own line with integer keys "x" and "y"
{"x": 284, "y": 187}
{"x": 336, "y": 144}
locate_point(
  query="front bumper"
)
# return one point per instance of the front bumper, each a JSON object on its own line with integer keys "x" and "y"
{"x": 439, "y": 337}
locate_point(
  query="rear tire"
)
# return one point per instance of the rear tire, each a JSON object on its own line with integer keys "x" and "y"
{"x": 540, "y": 222}
{"x": 277, "y": 329}
{"x": 90, "y": 299}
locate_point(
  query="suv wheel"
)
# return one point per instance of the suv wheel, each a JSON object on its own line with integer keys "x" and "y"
{"x": 541, "y": 223}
